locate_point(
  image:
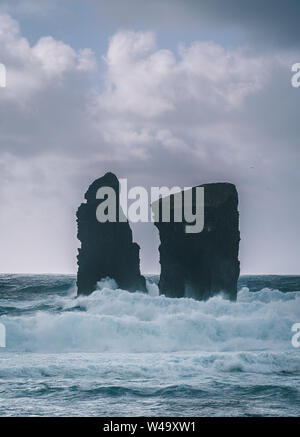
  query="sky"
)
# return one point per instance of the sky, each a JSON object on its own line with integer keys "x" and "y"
{"x": 164, "y": 92}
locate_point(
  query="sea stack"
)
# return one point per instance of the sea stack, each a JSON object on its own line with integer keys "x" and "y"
{"x": 107, "y": 249}
{"x": 202, "y": 265}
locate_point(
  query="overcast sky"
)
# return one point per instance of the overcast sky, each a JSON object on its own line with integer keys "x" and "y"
{"x": 164, "y": 92}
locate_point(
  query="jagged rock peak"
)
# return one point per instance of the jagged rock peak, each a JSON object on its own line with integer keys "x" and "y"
{"x": 107, "y": 249}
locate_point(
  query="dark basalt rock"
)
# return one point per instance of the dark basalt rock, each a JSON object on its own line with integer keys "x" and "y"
{"x": 201, "y": 265}
{"x": 107, "y": 249}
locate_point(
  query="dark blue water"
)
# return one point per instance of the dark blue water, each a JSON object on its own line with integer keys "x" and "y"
{"x": 117, "y": 353}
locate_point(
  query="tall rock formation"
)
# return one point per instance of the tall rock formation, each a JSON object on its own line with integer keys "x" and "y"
{"x": 201, "y": 265}
{"x": 107, "y": 249}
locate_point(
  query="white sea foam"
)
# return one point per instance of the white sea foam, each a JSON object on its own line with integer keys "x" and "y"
{"x": 114, "y": 320}
{"x": 166, "y": 366}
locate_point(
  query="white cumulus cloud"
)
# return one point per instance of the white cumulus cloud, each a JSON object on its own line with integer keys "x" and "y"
{"x": 201, "y": 113}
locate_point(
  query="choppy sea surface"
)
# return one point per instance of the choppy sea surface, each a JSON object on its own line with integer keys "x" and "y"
{"x": 116, "y": 353}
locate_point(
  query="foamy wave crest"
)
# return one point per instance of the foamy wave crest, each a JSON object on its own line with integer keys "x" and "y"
{"x": 168, "y": 366}
{"x": 114, "y": 320}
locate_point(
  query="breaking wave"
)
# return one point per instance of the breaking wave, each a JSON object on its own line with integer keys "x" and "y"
{"x": 114, "y": 320}
{"x": 116, "y": 353}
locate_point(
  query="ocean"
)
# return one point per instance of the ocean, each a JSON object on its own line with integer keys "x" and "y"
{"x": 116, "y": 353}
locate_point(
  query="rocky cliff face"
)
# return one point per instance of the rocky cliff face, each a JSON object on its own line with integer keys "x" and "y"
{"x": 201, "y": 265}
{"x": 107, "y": 249}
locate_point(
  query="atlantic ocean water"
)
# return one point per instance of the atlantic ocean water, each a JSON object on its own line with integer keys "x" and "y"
{"x": 116, "y": 353}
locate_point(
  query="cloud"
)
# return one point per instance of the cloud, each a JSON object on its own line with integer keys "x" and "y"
{"x": 27, "y": 7}
{"x": 160, "y": 117}
{"x": 190, "y": 99}
{"x": 271, "y": 22}
{"x": 265, "y": 24}
{"x": 268, "y": 23}
{"x": 43, "y": 105}
{"x": 38, "y": 67}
